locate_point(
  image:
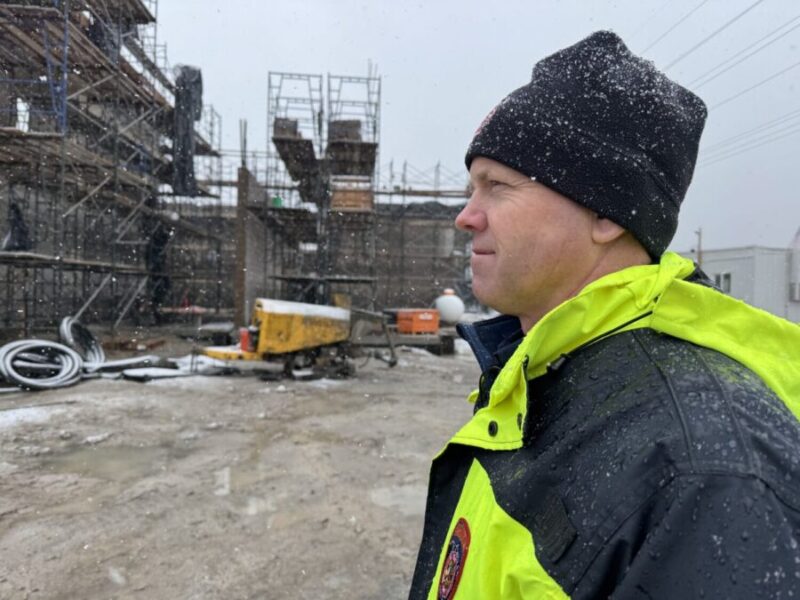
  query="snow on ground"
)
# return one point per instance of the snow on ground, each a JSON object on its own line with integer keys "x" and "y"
{"x": 17, "y": 416}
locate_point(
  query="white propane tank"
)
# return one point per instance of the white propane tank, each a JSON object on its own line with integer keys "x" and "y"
{"x": 450, "y": 306}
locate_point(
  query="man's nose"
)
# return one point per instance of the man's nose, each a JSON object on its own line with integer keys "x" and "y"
{"x": 471, "y": 218}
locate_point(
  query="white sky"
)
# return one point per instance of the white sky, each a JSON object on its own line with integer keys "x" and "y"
{"x": 446, "y": 63}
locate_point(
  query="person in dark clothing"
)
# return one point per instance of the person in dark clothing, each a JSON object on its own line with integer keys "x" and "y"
{"x": 635, "y": 432}
{"x": 18, "y": 237}
{"x": 155, "y": 257}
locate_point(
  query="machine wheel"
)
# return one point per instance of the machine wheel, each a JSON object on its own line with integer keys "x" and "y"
{"x": 299, "y": 360}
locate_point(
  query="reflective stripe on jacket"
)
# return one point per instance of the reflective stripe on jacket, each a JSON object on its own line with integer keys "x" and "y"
{"x": 658, "y": 462}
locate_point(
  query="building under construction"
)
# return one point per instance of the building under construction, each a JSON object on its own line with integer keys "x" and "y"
{"x": 111, "y": 178}
{"x": 99, "y": 143}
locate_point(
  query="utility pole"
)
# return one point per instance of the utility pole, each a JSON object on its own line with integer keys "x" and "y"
{"x": 699, "y": 233}
{"x": 243, "y": 141}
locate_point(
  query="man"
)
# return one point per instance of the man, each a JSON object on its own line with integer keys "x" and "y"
{"x": 635, "y": 432}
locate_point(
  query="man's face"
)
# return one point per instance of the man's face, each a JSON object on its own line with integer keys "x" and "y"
{"x": 531, "y": 246}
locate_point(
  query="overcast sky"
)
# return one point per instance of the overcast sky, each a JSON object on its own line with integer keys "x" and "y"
{"x": 445, "y": 63}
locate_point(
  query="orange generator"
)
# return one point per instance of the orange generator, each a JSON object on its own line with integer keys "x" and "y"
{"x": 417, "y": 320}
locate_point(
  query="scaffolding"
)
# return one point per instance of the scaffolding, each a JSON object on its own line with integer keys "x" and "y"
{"x": 334, "y": 232}
{"x": 295, "y": 112}
{"x": 321, "y": 173}
{"x": 87, "y": 113}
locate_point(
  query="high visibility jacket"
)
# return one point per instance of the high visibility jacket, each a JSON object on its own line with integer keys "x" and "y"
{"x": 642, "y": 442}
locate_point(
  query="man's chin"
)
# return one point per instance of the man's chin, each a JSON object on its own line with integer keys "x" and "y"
{"x": 485, "y": 297}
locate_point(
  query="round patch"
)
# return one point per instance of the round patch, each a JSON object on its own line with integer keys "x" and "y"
{"x": 454, "y": 561}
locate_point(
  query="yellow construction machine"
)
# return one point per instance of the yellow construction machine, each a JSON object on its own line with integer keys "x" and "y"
{"x": 303, "y": 336}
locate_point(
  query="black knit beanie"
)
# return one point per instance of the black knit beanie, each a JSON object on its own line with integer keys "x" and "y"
{"x": 606, "y": 129}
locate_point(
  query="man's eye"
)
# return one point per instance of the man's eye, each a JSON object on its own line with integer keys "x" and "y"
{"x": 494, "y": 183}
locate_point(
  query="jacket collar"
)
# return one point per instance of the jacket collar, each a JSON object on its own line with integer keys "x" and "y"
{"x": 485, "y": 337}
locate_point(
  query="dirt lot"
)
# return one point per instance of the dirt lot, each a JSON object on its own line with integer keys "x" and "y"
{"x": 224, "y": 487}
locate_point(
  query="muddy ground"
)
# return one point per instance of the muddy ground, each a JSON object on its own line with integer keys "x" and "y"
{"x": 224, "y": 487}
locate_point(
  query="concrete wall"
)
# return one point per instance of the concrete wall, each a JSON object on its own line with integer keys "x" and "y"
{"x": 250, "y": 278}
{"x": 256, "y": 252}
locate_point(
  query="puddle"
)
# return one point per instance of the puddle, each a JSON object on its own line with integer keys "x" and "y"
{"x": 242, "y": 476}
{"x": 250, "y": 471}
{"x": 227, "y": 480}
{"x": 117, "y": 463}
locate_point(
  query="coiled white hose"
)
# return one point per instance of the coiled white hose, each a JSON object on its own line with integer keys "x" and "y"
{"x": 78, "y": 337}
{"x": 40, "y": 364}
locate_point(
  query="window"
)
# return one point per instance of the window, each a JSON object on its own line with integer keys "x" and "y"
{"x": 723, "y": 282}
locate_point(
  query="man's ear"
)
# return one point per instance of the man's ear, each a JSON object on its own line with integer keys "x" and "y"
{"x": 605, "y": 231}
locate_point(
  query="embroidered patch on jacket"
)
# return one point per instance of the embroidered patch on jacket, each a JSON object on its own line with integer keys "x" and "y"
{"x": 454, "y": 561}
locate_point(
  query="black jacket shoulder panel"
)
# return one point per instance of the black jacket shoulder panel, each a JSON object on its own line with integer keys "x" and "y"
{"x": 716, "y": 536}
{"x": 733, "y": 422}
{"x": 613, "y": 431}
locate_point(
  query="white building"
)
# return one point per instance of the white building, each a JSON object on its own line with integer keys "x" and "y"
{"x": 768, "y": 278}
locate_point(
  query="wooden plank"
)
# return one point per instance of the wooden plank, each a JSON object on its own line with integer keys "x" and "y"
{"x": 352, "y": 200}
